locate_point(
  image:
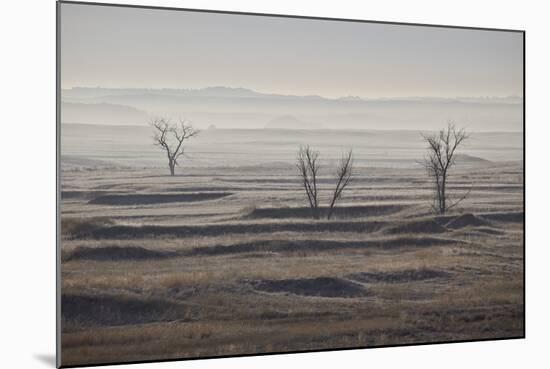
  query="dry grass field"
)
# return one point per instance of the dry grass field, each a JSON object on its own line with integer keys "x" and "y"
{"x": 226, "y": 260}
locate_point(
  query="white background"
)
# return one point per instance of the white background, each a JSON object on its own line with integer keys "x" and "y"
{"x": 27, "y": 183}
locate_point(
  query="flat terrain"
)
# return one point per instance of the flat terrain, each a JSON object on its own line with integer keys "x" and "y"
{"x": 225, "y": 260}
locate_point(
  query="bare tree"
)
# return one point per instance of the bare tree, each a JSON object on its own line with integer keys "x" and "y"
{"x": 344, "y": 174}
{"x": 308, "y": 167}
{"x": 170, "y": 137}
{"x": 439, "y": 160}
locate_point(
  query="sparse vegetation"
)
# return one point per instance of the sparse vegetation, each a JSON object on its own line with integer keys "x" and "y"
{"x": 344, "y": 173}
{"x": 439, "y": 160}
{"x": 229, "y": 260}
{"x": 308, "y": 169}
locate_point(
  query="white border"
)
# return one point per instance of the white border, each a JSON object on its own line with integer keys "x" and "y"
{"x": 28, "y": 183}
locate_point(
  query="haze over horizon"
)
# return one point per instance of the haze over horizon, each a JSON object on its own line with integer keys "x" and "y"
{"x": 274, "y": 93}
{"x": 242, "y": 71}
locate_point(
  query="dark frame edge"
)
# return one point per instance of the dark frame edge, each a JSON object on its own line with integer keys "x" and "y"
{"x": 524, "y": 193}
{"x": 58, "y": 350}
{"x": 294, "y": 16}
{"x": 313, "y": 351}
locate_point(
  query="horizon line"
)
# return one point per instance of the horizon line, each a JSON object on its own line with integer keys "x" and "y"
{"x": 280, "y": 94}
{"x": 282, "y": 129}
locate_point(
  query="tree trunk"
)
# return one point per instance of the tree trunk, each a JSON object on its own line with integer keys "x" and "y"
{"x": 316, "y": 214}
{"x": 443, "y": 205}
{"x": 331, "y": 208}
{"x": 172, "y": 166}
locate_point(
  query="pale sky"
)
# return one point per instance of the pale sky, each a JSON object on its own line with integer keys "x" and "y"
{"x": 143, "y": 48}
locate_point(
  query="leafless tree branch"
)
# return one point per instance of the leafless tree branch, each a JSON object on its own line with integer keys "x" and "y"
{"x": 344, "y": 174}
{"x": 308, "y": 168}
{"x": 440, "y": 158}
{"x": 170, "y": 138}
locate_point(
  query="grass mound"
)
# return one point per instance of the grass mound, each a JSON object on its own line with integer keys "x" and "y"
{"x": 83, "y": 226}
{"x": 305, "y": 212}
{"x": 467, "y": 220}
{"x": 422, "y": 226}
{"x": 402, "y": 276}
{"x": 489, "y": 230}
{"x": 313, "y": 245}
{"x": 150, "y": 231}
{"x": 511, "y": 216}
{"x": 116, "y": 253}
{"x": 319, "y": 287}
{"x": 112, "y": 310}
{"x": 156, "y": 198}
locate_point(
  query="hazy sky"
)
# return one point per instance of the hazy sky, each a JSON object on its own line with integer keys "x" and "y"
{"x": 127, "y": 47}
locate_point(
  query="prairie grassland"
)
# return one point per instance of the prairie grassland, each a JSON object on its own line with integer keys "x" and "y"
{"x": 226, "y": 260}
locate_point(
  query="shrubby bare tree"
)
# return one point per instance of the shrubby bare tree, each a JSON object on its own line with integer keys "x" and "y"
{"x": 308, "y": 167}
{"x": 440, "y": 158}
{"x": 344, "y": 173}
{"x": 170, "y": 138}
